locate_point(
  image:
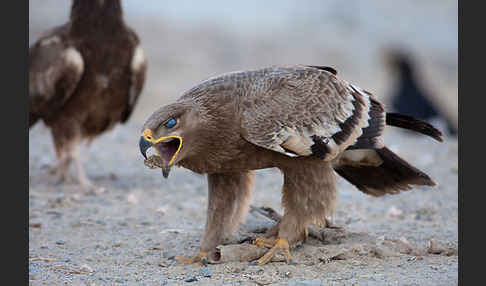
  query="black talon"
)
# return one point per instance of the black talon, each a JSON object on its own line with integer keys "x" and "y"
{"x": 247, "y": 239}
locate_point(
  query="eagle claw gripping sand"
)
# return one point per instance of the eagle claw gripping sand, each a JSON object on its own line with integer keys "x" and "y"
{"x": 303, "y": 120}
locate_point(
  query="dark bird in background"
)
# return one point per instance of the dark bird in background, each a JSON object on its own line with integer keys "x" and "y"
{"x": 84, "y": 77}
{"x": 408, "y": 96}
{"x": 305, "y": 121}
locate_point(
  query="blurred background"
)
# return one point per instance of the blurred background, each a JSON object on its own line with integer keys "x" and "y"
{"x": 375, "y": 44}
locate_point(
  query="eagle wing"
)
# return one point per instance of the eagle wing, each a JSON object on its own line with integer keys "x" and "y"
{"x": 55, "y": 69}
{"x": 308, "y": 110}
{"x": 138, "y": 71}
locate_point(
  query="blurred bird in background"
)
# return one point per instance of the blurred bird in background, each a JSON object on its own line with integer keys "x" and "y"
{"x": 84, "y": 77}
{"x": 409, "y": 96}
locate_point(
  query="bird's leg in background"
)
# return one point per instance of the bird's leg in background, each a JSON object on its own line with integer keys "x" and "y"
{"x": 67, "y": 143}
{"x": 83, "y": 180}
{"x": 60, "y": 171}
{"x": 229, "y": 197}
{"x": 308, "y": 196}
{"x": 64, "y": 157}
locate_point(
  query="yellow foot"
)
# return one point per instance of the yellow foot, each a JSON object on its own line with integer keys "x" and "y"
{"x": 265, "y": 242}
{"x": 202, "y": 256}
{"x": 279, "y": 244}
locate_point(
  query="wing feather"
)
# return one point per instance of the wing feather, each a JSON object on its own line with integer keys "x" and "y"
{"x": 138, "y": 69}
{"x": 55, "y": 69}
{"x": 309, "y": 111}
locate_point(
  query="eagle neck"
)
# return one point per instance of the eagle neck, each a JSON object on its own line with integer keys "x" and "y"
{"x": 96, "y": 16}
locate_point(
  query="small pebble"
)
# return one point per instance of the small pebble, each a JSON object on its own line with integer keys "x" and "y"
{"x": 413, "y": 258}
{"x": 161, "y": 210}
{"x": 190, "y": 278}
{"x": 133, "y": 198}
{"x": 86, "y": 268}
{"x": 54, "y": 213}
{"x": 32, "y": 268}
{"x": 306, "y": 283}
{"x": 205, "y": 272}
{"x": 59, "y": 197}
{"x": 394, "y": 212}
{"x": 169, "y": 255}
{"x": 35, "y": 224}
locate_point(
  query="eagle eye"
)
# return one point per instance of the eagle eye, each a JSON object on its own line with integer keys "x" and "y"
{"x": 170, "y": 123}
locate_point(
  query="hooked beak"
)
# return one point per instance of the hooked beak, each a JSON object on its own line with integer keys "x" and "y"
{"x": 144, "y": 146}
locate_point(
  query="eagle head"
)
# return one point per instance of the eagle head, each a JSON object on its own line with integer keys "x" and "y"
{"x": 170, "y": 130}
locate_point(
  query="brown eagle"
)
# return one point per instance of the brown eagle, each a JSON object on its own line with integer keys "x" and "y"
{"x": 84, "y": 77}
{"x": 305, "y": 121}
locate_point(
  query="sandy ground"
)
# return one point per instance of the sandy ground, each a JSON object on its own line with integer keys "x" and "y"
{"x": 126, "y": 235}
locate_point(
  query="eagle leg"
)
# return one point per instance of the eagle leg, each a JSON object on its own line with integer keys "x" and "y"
{"x": 308, "y": 196}
{"x": 228, "y": 203}
{"x": 279, "y": 244}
